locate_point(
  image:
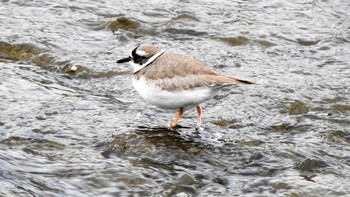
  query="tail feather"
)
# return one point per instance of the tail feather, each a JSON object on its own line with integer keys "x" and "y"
{"x": 222, "y": 80}
{"x": 248, "y": 82}
{"x": 243, "y": 81}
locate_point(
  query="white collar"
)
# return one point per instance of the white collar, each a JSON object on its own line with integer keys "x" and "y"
{"x": 150, "y": 60}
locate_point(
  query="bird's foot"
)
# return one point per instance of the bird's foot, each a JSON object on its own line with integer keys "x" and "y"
{"x": 172, "y": 128}
{"x": 198, "y": 129}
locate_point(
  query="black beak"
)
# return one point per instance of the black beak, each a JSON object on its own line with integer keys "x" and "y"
{"x": 127, "y": 59}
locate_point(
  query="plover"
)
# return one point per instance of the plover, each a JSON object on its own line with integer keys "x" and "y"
{"x": 171, "y": 80}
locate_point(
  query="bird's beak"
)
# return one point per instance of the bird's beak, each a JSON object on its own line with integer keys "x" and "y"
{"x": 127, "y": 59}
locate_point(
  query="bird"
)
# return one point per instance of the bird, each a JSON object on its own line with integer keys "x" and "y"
{"x": 171, "y": 80}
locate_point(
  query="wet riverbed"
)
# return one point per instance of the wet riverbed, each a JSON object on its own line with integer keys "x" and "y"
{"x": 71, "y": 123}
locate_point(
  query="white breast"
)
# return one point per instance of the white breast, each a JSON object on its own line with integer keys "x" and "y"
{"x": 172, "y": 99}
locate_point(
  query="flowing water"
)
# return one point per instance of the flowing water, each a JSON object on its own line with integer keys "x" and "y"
{"x": 71, "y": 123}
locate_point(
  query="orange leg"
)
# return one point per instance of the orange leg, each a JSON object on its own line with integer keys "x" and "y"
{"x": 199, "y": 120}
{"x": 179, "y": 115}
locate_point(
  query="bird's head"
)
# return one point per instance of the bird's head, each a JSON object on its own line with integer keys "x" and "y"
{"x": 140, "y": 56}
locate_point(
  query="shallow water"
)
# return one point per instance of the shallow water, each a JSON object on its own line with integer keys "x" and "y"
{"x": 72, "y": 125}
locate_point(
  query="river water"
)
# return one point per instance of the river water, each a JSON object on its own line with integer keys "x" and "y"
{"x": 71, "y": 123}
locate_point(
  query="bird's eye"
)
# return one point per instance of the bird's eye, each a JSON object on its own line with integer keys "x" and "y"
{"x": 136, "y": 57}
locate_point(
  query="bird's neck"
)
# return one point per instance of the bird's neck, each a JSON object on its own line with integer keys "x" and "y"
{"x": 138, "y": 67}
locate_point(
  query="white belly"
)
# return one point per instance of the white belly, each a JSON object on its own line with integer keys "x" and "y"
{"x": 172, "y": 99}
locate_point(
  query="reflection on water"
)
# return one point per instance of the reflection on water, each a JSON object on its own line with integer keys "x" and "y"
{"x": 72, "y": 125}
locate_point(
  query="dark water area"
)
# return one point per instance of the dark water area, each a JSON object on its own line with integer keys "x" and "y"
{"x": 71, "y": 123}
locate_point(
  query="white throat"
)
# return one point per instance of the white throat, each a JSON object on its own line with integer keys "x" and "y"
{"x": 138, "y": 67}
